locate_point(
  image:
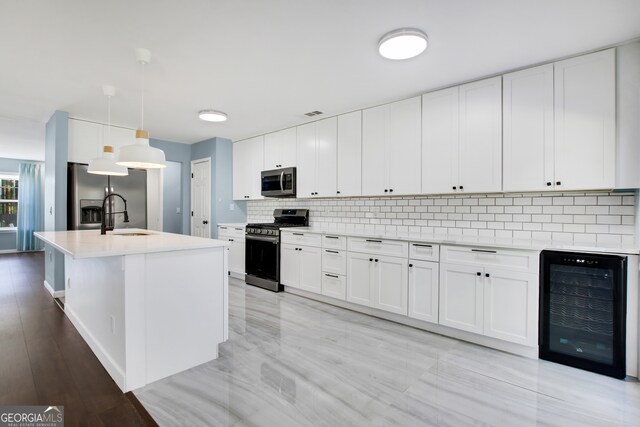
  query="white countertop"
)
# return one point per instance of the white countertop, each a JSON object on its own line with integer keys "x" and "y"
{"x": 490, "y": 242}
{"x": 90, "y": 244}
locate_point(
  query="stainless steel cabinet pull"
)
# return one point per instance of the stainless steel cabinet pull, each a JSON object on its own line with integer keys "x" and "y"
{"x": 331, "y": 275}
{"x": 484, "y": 251}
{"x": 332, "y": 252}
{"x": 231, "y": 240}
{"x": 374, "y": 241}
{"x": 422, "y": 246}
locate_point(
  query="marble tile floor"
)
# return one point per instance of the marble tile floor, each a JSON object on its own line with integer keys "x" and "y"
{"x": 291, "y": 361}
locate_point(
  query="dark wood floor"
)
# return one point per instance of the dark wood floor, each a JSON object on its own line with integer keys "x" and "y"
{"x": 43, "y": 359}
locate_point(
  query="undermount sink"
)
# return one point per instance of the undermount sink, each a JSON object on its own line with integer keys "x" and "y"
{"x": 131, "y": 233}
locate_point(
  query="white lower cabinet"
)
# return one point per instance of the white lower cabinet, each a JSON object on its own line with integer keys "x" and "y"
{"x": 461, "y": 297}
{"x": 334, "y": 286}
{"x": 423, "y": 290}
{"x": 300, "y": 267}
{"x": 511, "y": 306}
{"x": 378, "y": 281}
{"x": 497, "y": 303}
{"x": 236, "y": 256}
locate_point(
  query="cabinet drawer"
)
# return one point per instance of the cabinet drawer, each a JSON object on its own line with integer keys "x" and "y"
{"x": 230, "y": 232}
{"x": 334, "y": 286}
{"x": 332, "y": 241}
{"x": 485, "y": 257}
{"x": 301, "y": 238}
{"x": 334, "y": 261}
{"x": 378, "y": 246}
{"x": 424, "y": 251}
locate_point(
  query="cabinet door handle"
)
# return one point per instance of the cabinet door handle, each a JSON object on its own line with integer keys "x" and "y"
{"x": 331, "y": 275}
{"x": 332, "y": 252}
{"x": 239, "y": 229}
{"x": 370, "y": 259}
{"x": 422, "y": 246}
{"x": 486, "y": 275}
{"x": 478, "y": 274}
{"x": 338, "y": 192}
{"x": 548, "y": 184}
{"x": 298, "y": 234}
{"x": 224, "y": 228}
{"x": 231, "y": 240}
{"x": 376, "y": 259}
{"x": 558, "y": 183}
{"x": 374, "y": 241}
{"x": 331, "y": 237}
{"x": 391, "y": 190}
{"x": 484, "y": 251}
{"x": 455, "y": 188}
{"x": 410, "y": 265}
{"x": 386, "y": 191}
{"x": 461, "y": 187}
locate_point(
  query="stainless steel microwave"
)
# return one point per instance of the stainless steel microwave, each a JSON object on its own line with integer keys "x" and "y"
{"x": 278, "y": 182}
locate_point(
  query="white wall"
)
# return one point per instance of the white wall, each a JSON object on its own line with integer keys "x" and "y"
{"x": 21, "y": 139}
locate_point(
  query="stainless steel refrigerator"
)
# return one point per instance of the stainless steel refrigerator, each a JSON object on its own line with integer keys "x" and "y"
{"x": 87, "y": 191}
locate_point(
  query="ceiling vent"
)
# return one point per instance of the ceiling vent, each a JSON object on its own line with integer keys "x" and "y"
{"x": 313, "y": 113}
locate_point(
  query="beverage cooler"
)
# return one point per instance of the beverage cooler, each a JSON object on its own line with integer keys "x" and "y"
{"x": 583, "y": 311}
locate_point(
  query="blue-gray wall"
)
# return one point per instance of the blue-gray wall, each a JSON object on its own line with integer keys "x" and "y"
{"x": 55, "y": 198}
{"x": 172, "y": 210}
{"x": 221, "y": 152}
{"x": 177, "y": 152}
{"x": 8, "y": 238}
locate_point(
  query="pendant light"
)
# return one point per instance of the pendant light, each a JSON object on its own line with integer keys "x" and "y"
{"x": 141, "y": 155}
{"x": 106, "y": 163}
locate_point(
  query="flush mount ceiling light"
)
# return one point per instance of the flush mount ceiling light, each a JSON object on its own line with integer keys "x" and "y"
{"x": 140, "y": 154}
{"x": 106, "y": 163}
{"x": 212, "y": 116}
{"x": 403, "y": 43}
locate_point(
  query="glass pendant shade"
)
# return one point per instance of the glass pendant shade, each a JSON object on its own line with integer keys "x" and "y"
{"x": 106, "y": 164}
{"x": 140, "y": 155}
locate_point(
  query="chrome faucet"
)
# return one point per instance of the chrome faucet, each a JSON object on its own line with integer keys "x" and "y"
{"x": 103, "y": 225}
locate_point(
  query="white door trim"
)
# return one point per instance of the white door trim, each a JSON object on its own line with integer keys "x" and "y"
{"x": 193, "y": 162}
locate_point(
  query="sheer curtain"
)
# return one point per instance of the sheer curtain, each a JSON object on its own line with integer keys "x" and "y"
{"x": 30, "y": 206}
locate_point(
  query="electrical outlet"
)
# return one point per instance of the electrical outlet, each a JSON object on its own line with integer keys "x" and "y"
{"x": 113, "y": 325}
{"x": 232, "y": 206}
{"x": 177, "y": 210}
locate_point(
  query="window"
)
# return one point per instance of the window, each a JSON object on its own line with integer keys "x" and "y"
{"x": 8, "y": 202}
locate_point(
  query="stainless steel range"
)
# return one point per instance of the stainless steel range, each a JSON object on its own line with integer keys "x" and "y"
{"x": 262, "y": 254}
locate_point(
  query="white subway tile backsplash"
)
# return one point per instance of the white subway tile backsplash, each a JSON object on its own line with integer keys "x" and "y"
{"x": 579, "y": 217}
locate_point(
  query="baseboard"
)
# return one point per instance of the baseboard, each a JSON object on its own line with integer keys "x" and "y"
{"x": 55, "y": 294}
{"x": 8, "y": 251}
{"x": 236, "y": 275}
{"x": 520, "y": 350}
{"x": 107, "y": 362}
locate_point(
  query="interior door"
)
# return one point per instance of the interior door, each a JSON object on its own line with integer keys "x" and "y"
{"x": 201, "y": 198}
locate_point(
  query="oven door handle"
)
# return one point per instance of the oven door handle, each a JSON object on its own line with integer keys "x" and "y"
{"x": 281, "y": 180}
{"x": 262, "y": 239}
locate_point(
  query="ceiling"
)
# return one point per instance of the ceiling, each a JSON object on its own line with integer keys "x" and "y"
{"x": 265, "y": 63}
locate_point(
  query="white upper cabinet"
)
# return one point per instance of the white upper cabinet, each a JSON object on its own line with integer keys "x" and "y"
{"x": 585, "y": 120}
{"x": 349, "y": 179}
{"x": 528, "y": 130}
{"x": 317, "y": 158}
{"x": 248, "y": 160}
{"x": 440, "y": 141}
{"x": 86, "y": 139}
{"x": 280, "y": 149}
{"x": 481, "y": 136}
{"x": 462, "y": 138}
{"x": 391, "y": 148}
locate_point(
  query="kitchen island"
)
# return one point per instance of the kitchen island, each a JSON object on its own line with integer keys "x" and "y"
{"x": 149, "y": 304}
